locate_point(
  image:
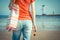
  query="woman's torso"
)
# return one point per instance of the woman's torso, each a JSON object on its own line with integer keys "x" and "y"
{"x": 24, "y": 13}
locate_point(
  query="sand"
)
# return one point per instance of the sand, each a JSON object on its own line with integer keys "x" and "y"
{"x": 41, "y": 35}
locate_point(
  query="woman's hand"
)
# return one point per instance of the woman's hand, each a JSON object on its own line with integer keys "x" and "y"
{"x": 10, "y": 28}
{"x": 34, "y": 30}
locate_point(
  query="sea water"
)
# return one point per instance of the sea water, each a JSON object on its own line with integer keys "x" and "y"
{"x": 44, "y": 22}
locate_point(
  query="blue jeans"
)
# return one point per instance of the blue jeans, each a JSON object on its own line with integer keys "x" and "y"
{"x": 24, "y": 27}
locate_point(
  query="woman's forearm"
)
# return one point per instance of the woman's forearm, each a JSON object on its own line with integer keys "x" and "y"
{"x": 34, "y": 17}
{"x": 33, "y": 13}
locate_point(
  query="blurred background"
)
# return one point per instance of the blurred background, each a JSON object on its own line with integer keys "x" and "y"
{"x": 47, "y": 19}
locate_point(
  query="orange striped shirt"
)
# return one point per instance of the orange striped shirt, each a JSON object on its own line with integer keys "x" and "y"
{"x": 24, "y": 13}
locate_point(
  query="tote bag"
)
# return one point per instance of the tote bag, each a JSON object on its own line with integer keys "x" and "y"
{"x": 13, "y": 17}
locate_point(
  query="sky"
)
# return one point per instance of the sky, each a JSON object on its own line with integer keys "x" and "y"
{"x": 50, "y": 6}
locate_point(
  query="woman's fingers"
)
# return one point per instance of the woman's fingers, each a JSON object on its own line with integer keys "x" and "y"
{"x": 10, "y": 28}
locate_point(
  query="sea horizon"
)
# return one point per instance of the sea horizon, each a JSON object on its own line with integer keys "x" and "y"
{"x": 44, "y": 22}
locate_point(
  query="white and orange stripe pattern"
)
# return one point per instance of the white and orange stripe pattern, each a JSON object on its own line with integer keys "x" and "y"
{"x": 13, "y": 17}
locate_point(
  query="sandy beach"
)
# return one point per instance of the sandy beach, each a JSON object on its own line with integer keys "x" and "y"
{"x": 41, "y": 35}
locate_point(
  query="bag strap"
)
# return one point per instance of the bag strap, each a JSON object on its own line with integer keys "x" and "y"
{"x": 14, "y": 1}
